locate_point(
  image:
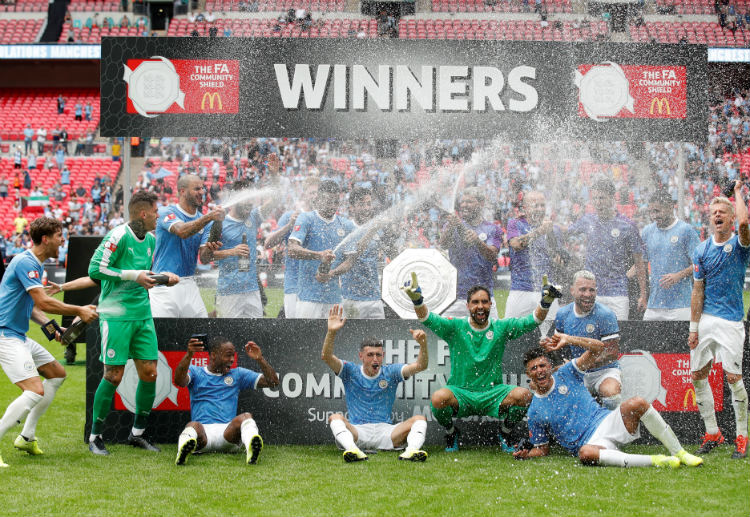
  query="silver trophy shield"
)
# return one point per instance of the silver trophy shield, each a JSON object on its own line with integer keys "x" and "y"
{"x": 437, "y": 278}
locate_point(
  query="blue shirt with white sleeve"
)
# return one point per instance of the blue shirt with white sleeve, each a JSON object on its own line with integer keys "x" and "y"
{"x": 173, "y": 254}
{"x": 600, "y": 323}
{"x": 231, "y": 280}
{"x": 722, "y": 268}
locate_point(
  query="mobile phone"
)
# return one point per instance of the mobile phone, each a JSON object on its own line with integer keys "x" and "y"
{"x": 203, "y": 338}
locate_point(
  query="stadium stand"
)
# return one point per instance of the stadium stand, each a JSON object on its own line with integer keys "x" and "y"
{"x": 501, "y": 30}
{"x": 275, "y": 5}
{"x": 19, "y": 30}
{"x": 270, "y": 28}
{"x": 706, "y": 33}
{"x": 38, "y": 107}
{"x": 507, "y": 6}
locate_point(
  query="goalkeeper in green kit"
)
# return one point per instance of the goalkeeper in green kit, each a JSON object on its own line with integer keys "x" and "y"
{"x": 123, "y": 264}
{"x": 476, "y": 345}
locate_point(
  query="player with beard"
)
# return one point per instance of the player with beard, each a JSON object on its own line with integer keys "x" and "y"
{"x": 370, "y": 393}
{"x": 530, "y": 238}
{"x": 360, "y": 284}
{"x": 476, "y": 345}
{"x": 717, "y": 333}
{"x": 589, "y": 319}
{"x": 472, "y": 245}
{"x": 181, "y": 233}
{"x": 215, "y": 425}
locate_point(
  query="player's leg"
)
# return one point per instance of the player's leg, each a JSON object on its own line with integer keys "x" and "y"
{"x": 290, "y": 302}
{"x": 192, "y": 438}
{"x": 701, "y": 361}
{"x": 54, "y": 375}
{"x": 144, "y": 351}
{"x": 444, "y": 406}
{"x": 511, "y": 412}
{"x": 739, "y": 404}
{"x": 17, "y": 363}
{"x": 636, "y": 410}
{"x": 610, "y": 392}
{"x": 411, "y": 431}
{"x": 102, "y": 404}
{"x": 243, "y": 429}
{"x": 346, "y": 436}
{"x": 729, "y": 353}
{"x": 601, "y": 448}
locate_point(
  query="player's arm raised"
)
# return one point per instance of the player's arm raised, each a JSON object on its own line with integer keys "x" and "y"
{"x": 414, "y": 292}
{"x": 181, "y": 377}
{"x": 740, "y": 209}
{"x": 422, "y": 358}
{"x": 270, "y": 378}
{"x": 336, "y": 322}
{"x": 279, "y": 235}
{"x": 590, "y": 358}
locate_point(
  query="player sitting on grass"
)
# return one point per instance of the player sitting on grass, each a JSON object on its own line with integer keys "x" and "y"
{"x": 563, "y": 408}
{"x": 370, "y": 394}
{"x": 215, "y": 425}
{"x": 476, "y": 346}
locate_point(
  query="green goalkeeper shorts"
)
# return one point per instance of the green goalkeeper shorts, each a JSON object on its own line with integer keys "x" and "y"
{"x": 480, "y": 403}
{"x": 123, "y": 340}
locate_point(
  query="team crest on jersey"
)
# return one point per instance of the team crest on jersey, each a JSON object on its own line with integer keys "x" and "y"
{"x": 340, "y": 232}
{"x": 562, "y": 390}
{"x": 228, "y": 381}
{"x": 674, "y": 239}
{"x": 33, "y": 274}
{"x": 590, "y": 328}
{"x": 727, "y": 248}
{"x": 111, "y": 246}
{"x": 383, "y": 383}
{"x": 490, "y": 334}
{"x": 482, "y": 236}
{"x": 615, "y": 232}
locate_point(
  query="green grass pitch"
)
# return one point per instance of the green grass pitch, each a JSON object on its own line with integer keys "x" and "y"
{"x": 312, "y": 481}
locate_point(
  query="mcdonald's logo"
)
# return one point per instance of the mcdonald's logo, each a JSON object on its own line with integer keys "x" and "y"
{"x": 690, "y": 393}
{"x": 661, "y": 104}
{"x": 216, "y": 97}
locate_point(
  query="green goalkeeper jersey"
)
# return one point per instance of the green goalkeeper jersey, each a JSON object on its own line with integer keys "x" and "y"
{"x": 117, "y": 262}
{"x": 477, "y": 355}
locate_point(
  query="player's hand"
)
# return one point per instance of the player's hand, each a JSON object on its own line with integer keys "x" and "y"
{"x": 668, "y": 280}
{"x": 144, "y": 280}
{"x": 87, "y": 313}
{"x": 419, "y": 336}
{"x": 554, "y": 342}
{"x": 693, "y": 340}
{"x": 253, "y": 351}
{"x": 327, "y": 256}
{"x": 545, "y": 227}
{"x": 195, "y": 345}
{"x": 59, "y": 334}
{"x": 241, "y": 250}
{"x": 52, "y": 288}
{"x": 642, "y": 303}
{"x": 549, "y": 293}
{"x": 521, "y": 454}
{"x": 216, "y": 214}
{"x": 213, "y": 246}
{"x": 173, "y": 279}
{"x": 336, "y": 318}
{"x": 293, "y": 218}
{"x": 412, "y": 289}
{"x": 323, "y": 277}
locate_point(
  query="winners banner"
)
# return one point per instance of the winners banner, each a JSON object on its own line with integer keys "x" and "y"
{"x": 373, "y": 88}
{"x": 654, "y": 363}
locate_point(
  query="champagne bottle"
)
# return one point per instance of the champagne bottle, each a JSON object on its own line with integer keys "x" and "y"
{"x": 243, "y": 263}
{"x": 215, "y": 234}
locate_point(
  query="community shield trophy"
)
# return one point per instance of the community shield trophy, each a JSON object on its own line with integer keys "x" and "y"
{"x": 437, "y": 278}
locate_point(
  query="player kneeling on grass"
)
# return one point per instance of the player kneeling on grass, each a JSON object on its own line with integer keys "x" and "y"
{"x": 563, "y": 408}
{"x": 370, "y": 393}
{"x": 215, "y": 425}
